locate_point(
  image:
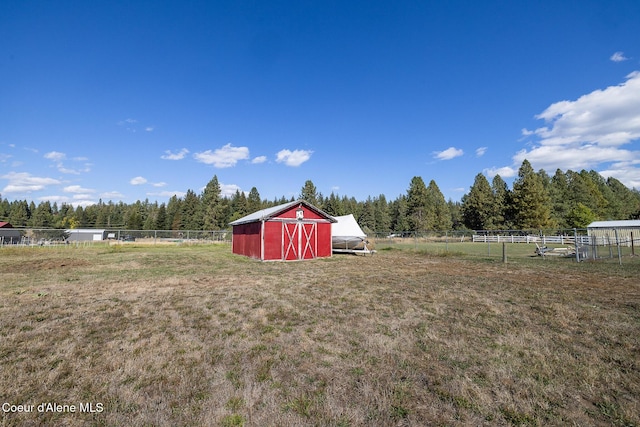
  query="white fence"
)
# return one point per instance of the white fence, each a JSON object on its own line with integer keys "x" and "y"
{"x": 561, "y": 240}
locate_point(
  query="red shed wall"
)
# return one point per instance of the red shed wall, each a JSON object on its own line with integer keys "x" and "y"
{"x": 246, "y": 239}
{"x": 324, "y": 240}
{"x": 273, "y": 240}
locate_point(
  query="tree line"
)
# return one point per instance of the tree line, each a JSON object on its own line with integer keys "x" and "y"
{"x": 535, "y": 201}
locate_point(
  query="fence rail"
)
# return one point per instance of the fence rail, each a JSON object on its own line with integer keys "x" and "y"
{"x": 574, "y": 243}
{"x": 562, "y": 240}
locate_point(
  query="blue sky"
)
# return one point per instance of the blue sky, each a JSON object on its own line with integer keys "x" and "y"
{"x": 132, "y": 100}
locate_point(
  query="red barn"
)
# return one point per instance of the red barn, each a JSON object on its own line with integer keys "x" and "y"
{"x": 292, "y": 231}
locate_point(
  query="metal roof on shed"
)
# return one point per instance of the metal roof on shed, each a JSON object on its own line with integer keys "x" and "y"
{"x": 273, "y": 211}
{"x": 631, "y": 223}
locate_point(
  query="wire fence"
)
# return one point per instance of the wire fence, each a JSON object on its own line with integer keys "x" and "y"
{"x": 575, "y": 244}
{"x": 88, "y": 237}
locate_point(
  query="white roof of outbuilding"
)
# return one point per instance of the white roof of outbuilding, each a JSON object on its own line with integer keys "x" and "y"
{"x": 631, "y": 223}
{"x": 347, "y": 226}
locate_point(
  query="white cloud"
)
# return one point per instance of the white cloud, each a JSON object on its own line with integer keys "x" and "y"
{"x": 138, "y": 180}
{"x": 590, "y": 132}
{"x": 224, "y": 157}
{"x": 56, "y": 156}
{"x": 168, "y": 194}
{"x": 480, "y": 151}
{"x": 448, "y": 154}
{"x": 175, "y": 156}
{"x": 77, "y": 189}
{"x": 228, "y": 190}
{"x": 159, "y": 184}
{"x": 293, "y": 158}
{"x": 626, "y": 172}
{"x": 149, "y": 128}
{"x": 23, "y": 182}
{"x": 618, "y": 57}
{"x": 259, "y": 159}
{"x": 504, "y": 172}
{"x": 110, "y": 195}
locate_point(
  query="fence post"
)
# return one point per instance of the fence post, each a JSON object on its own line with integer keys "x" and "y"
{"x": 575, "y": 243}
{"x": 633, "y": 249}
{"x": 504, "y": 252}
{"x": 618, "y": 245}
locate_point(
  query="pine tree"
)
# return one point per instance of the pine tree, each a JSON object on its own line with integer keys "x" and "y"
{"x": 559, "y": 196}
{"x": 174, "y": 213}
{"x": 254, "y": 203}
{"x": 191, "y": 212}
{"x": 309, "y": 193}
{"x": 629, "y": 200}
{"x": 531, "y": 202}
{"x": 500, "y": 215}
{"x": 400, "y": 223}
{"x": 366, "y": 218}
{"x": 42, "y": 216}
{"x": 211, "y": 204}
{"x": 161, "y": 218}
{"x": 439, "y": 208}
{"x": 477, "y": 206}
{"x": 417, "y": 205}
{"x": 238, "y": 205}
{"x": 381, "y": 214}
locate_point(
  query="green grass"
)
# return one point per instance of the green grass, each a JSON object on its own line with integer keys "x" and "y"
{"x": 193, "y": 335}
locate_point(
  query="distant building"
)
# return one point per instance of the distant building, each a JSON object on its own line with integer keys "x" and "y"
{"x": 605, "y": 232}
{"x": 8, "y": 234}
{"x": 85, "y": 235}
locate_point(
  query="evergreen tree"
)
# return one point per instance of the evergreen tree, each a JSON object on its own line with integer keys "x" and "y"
{"x": 309, "y": 193}
{"x": 500, "y": 214}
{"x": 559, "y": 196}
{"x": 42, "y": 216}
{"x": 161, "y": 218}
{"x": 457, "y": 221}
{"x": 238, "y": 205}
{"x": 151, "y": 220}
{"x": 254, "y": 203}
{"x": 531, "y": 202}
{"x": 191, "y": 212}
{"x": 477, "y": 206}
{"x": 333, "y": 205}
{"x": 417, "y": 205}
{"x": 381, "y": 214}
{"x": 440, "y": 210}
{"x": 366, "y": 217}
{"x": 580, "y": 216}
{"x": 399, "y": 217}
{"x": 211, "y": 204}
{"x": 134, "y": 220}
{"x": 174, "y": 213}
{"x": 629, "y": 201}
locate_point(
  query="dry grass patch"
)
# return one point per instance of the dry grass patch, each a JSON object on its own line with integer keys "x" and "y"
{"x": 197, "y": 336}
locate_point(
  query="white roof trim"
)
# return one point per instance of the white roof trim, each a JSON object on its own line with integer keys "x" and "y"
{"x": 631, "y": 223}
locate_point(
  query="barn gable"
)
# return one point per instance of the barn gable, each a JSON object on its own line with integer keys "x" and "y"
{"x": 291, "y": 231}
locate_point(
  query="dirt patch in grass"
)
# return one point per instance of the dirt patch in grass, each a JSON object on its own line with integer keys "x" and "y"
{"x": 196, "y": 336}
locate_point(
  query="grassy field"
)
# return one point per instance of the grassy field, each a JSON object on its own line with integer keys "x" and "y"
{"x": 193, "y": 335}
